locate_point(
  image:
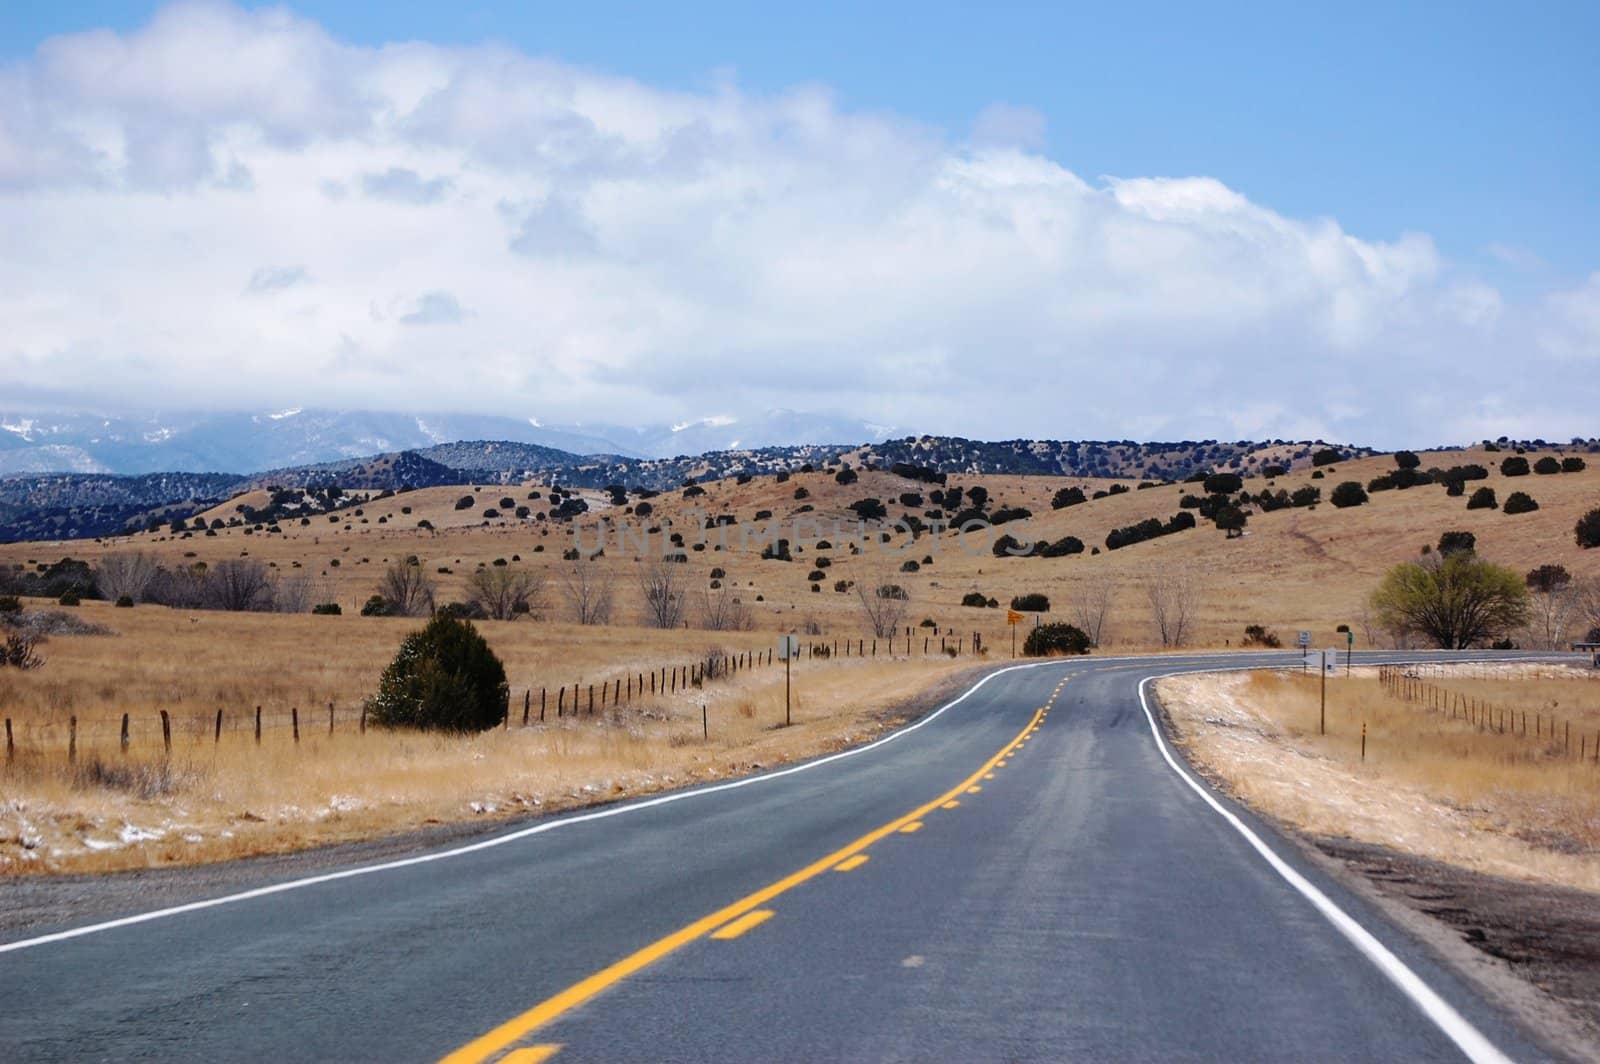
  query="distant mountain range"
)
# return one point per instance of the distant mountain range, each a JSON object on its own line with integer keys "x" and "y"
{"x": 248, "y": 442}
{"x": 49, "y": 506}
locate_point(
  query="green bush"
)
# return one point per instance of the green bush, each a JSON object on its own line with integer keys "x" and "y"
{"x": 975, "y": 599}
{"x": 1057, "y": 638}
{"x": 1326, "y": 456}
{"x": 1483, "y": 499}
{"x": 1067, "y": 497}
{"x": 10, "y": 604}
{"x": 1572, "y": 464}
{"x": 1514, "y": 466}
{"x": 327, "y": 609}
{"x": 1519, "y": 502}
{"x": 1256, "y": 635}
{"x": 1348, "y": 494}
{"x": 1223, "y": 483}
{"x": 1406, "y": 459}
{"x": 1587, "y": 530}
{"x": 1457, "y": 542}
{"x": 1032, "y": 602}
{"x": 377, "y": 606}
{"x": 1546, "y": 466}
{"x": 444, "y": 678}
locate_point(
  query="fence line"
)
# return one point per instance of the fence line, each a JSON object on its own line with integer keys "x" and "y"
{"x": 1407, "y": 683}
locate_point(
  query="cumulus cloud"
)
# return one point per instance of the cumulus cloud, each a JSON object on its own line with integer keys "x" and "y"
{"x": 636, "y": 250}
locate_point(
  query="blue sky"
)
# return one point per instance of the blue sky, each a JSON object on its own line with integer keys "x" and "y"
{"x": 1374, "y": 223}
{"x": 1474, "y": 122}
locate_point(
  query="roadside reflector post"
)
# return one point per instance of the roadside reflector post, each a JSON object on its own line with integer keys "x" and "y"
{"x": 705, "y": 722}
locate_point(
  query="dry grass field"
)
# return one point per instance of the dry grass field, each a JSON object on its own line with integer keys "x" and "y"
{"x": 215, "y": 798}
{"x": 1430, "y": 783}
{"x": 1294, "y": 569}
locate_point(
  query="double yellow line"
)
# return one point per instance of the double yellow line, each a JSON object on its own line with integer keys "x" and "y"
{"x": 513, "y": 1030}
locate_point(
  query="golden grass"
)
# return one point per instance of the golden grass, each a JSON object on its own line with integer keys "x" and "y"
{"x": 214, "y": 800}
{"x": 1430, "y": 784}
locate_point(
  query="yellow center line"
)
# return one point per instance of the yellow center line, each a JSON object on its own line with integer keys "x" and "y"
{"x": 915, "y": 825}
{"x": 530, "y": 1055}
{"x": 519, "y": 1027}
{"x": 849, "y": 864}
{"x": 951, "y": 804}
{"x": 743, "y": 924}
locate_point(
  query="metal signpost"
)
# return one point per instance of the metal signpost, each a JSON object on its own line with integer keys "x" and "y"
{"x": 788, "y": 650}
{"x": 1304, "y": 641}
{"x": 1013, "y": 618}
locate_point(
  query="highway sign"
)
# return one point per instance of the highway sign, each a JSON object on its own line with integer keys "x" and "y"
{"x": 788, "y": 647}
{"x": 1305, "y": 639}
{"x": 1013, "y": 617}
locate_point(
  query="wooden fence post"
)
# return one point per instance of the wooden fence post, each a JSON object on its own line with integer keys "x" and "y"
{"x": 541, "y": 705}
{"x": 166, "y": 732}
{"x": 591, "y": 700}
{"x": 11, "y": 744}
{"x": 330, "y": 720}
{"x": 72, "y": 740}
{"x": 561, "y": 702}
{"x": 527, "y": 706}
{"x": 123, "y": 740}
{"x": 218, "y": 737}
{"x": 294, "y": 720}
{"x": 363, "y": 718}
{"x": 258, "y": 725}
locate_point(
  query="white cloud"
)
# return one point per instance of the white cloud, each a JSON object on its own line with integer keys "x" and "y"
{"x": 630, "y": 252}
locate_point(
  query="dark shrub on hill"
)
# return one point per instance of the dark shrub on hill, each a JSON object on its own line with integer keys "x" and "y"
{"x": 1546, "y": 466}
{"x": 1519, "y": 502}
{"x": 1056, "y": 638}
{"x": 1483, "y": 499}
{"x": 1348, "y": 494}
{"x": 870, "y": 509}
{"x": 1572, "y": 464}
{"x": 1223, "y": 483}
{"x": 1061, "y": 548}
{"x": 1587, "y": 530}
{"x": 1455, "y": 542}
{"x": 1273, "y": 471}
{"x": 1067, "y": 497}
{"x": 846, "y": 476}
{"x": 1326, "y": 456}
{"x": 1306, "y": 496}
{"x": 466, "y": 502}
{"x": 974, "y": 599}
{"x": 1032, "y": 602}
{"x": 444, "y": 678}
{"x": 1406, "y": 460}
{"x": 1514, "y": 466}
{"x": 1256, "y": 635}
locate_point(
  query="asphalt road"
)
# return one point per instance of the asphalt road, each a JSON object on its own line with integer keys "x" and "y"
{"x": 1081, "y": 900}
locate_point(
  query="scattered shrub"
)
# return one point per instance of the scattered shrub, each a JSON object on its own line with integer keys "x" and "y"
{"x": 466, "y": 502}
{"x": 1056, "y": 638}
{"x": 1406, "y": 460}
{"x": 327, "y": 609}
{"x": 124, "y": 602}
{"x": 908, "y": 566}
{"x": 1587, "y": 530}
{"x": 1483, "y": 499}
{"x": 1067, "y": 497}
{"x": 1348, "y": 494}
{"x": 1062, "y": 547}
{"x": 1455, "y": 542}
{"x": 1514, "y": 466}
{"x": 69, "y": 597}
{"x": 1223, "y": 483}
{"x": 377, "y": 606}
{"x": 1546, "y": 466}
{"x": 974, "y": 599}
{"x": 10, "y": 604}
{"x": 1326, "y": 456}
{"x": 1519, "y": 502}
{"x": 1256, "y": 635}
{"x": 1572, "y": 464}
{"x": 1032, "y": 602}
{"x": 444, "y": 678}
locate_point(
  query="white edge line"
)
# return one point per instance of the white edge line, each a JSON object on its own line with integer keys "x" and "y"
{"x": 515, "y": 836}
{"x": 1472, "y": 1042}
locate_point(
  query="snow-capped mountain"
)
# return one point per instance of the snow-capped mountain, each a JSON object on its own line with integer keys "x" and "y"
{"x": 51, "y": 442}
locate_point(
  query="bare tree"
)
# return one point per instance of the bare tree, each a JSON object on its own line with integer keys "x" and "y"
{"x": 1556, "y": 600}
{"x": 664, "y": 598}
{"x": 721, "y": 611}
{"x": 181, "y": 588}
{"x": 298, "y": 592}
{"x": 883, "y": 602}
{"x": 1173, "y": 596}
{"x": 1090, "y": 603}
{"x": 505, "y": 593}
{"x": 407, "y": 589}
{"x": 238, "y": 584}
{"x": 127, "y": 574}
{"x": 587, "y": 586}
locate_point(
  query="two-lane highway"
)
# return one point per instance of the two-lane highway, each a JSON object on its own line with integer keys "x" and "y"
{"x": 1027, "y": 874}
